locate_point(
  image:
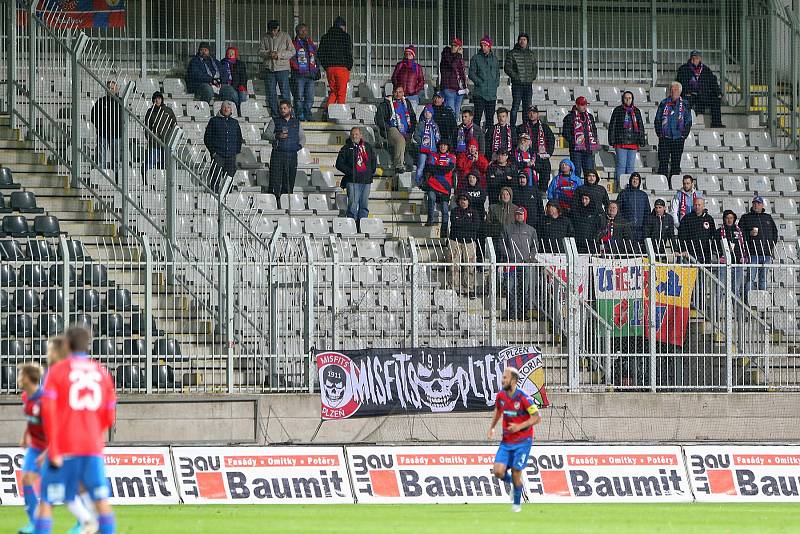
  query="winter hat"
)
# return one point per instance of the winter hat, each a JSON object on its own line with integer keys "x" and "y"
{"x": 695, "y": 53}
{"x": 204, "y": 44}
{"x": 439, "y": 94}
{"x": 524, "y": 135}
{"x": 487, "y": 40}
{"x": 428, "y": 107}
{"x": 729, "y": 212}
{"x": 157, "y": 94}
{"x": 273, "y": 25}
{"x": 525, "y": 35}
{"x": 581, "y": 101}
{"x": 519, "y": 211}
{"x": 412, "y": 49}
{"x": 235, "y": 52}
{"x": 456, "y": 41}
{"x": 339, "y": 22}
{"x": 535, "y": 109}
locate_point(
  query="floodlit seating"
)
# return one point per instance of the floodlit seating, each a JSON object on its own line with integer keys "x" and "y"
{"x": 368, "y": 248}
{"x": 318, "y": 203}
{"x": 317, "y": 226}
{"x": 737, "y": 205}
{"x": 687, "y": 161}
{"x": 112, "y": 325}
{"x": 252, "y": 110}
{"x": 56, "y": 274}
{"x": 104, "y": 347}
{"x": 40, "y": 250}
{"x": 198, "y": 110}
{"x": 76, "y": 251}
{"x": 127, "y": 376}
{"x": 12, "y": 348}
{"x": 88, "y": 300}
{"x": 559, "y": 94}
{"x": 174, "y": 86}
{"x": 20, "y": 325}
{"x": 585, "y": 91}
{"x": 290, "y": 226}
{"x": 760, "y": 140}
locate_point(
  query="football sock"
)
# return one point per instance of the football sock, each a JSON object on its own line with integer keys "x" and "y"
{"x": 507, "y": 478}
{"x": 30, "y": 502}
{"x": 107, "y": 524}
{"x": 517, "y": 494}
{"x": 88, "y": 503}
{"x": 78, "y": 509}
{"x": 43, "y": 525}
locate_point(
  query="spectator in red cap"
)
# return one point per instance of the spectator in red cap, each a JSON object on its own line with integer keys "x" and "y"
{"x": 484, "y": 71}
{"x": 453, "y": 75}
{"x": 409, "y": 74}
{"x": 580, "y": 132}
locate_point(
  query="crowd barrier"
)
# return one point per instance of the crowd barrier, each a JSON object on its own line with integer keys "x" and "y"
{"x": 365, "y": 474}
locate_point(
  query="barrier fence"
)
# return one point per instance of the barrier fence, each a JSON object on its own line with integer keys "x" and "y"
{"x": 364, "y": 474}
{"x": 654, "y": 319}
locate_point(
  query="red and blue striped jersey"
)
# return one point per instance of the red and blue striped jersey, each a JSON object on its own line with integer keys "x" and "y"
{"x": 32, "y": 407}
{"x": 516, "y": 408}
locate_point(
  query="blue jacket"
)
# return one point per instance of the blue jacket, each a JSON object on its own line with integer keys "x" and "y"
{"x": 223, "y": 136}
{"x": 562, "y": 188}
{"x": 673, "y": 131}
{"x": 634, "y": 205}
{"x": 196, "y": 73}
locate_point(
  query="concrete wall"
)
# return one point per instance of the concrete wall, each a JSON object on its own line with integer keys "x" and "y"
{"x": 604, "y": 417}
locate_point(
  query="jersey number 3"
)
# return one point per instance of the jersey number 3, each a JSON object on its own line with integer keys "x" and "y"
{"x": 84, "y": 391}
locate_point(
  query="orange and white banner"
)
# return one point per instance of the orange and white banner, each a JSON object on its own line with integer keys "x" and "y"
{"x": 136, "y": 475}
{"x": 262, "y": 475}
{"x": 744, "y": 473}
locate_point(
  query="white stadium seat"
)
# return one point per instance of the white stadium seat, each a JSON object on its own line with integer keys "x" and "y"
{"x": 760, "y": 140}
{"x": 610, "y": 95}
{"x": 657, "y": 94}
{"x": 735, "y": 139}
{"x": 785, "y": 184}
{"x": 760, "y": 161}
{"x": 710, "y": 139}
{"x": 735, "y": 161}
{"x": 657, "y": 183}
{"x": 786, "y": 206}
{"x": 734, "y": 183}
{"x": 759, "y": 183}
{"x": 785, "y": 162}
{"x": 708, "y": 183}
{"x": 708, "y": 161}
{"x": 585, "y": 91}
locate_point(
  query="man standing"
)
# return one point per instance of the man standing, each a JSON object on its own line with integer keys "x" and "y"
{"x": 335, "y": 54}
{"x": 701, "y": 87}
{"x": 78, "y": 408}
{"x": 634, "y": 205}
{"x": 698, "y": 231}
{"x": 683, "y": 201}
{"x": 107, "y": 119}
{"x": 519, "y": 414}
{"x": 502, "y": 135}
{"x": 673, "y": 123}
{"x": 484, "y": 71}
{"x": 519, "y": 245}
{"x": 357, "y": 161}
{"x": 466, "y": 226}
{"x": 287, "y": 138}
{"x": 396, "y": 122}
{"x": 521, "y": 68}
{"x": 276, "y": 51}
{"x": 305, "y": 72}
{"x": 468, "y": 130}
{"x": 444, "y": 117}
{"x": 204, "y": 77}
{"x": 544, "y": 144}
{"x": 453, "y": 75}
{"x": 760, "y": 235}
{"x": 223, "y": 139}
{"x": 410, "y": 75}
{"x": 580, "y": 132}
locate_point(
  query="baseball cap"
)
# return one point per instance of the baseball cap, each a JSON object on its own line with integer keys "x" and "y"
{"x": 520, "y": 211}
{"x": 534, "y": 109}
{"x": 695, "y": 53}
{"x": 660, "y": 202}
{"x": 760, "y": 200}
{"x": 581, "y": 101}
{"x": 523, "y": 135}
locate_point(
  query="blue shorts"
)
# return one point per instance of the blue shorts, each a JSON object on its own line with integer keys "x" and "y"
{"x": 514, "y": 455}
{"x": 29, "y": 463}
{"x": 61, "y": 485}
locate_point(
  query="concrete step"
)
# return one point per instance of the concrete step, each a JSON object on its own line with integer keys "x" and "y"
{"x": 12, "y": 144}
{"x": 80, "y": 230}
{"x": 22, "y": 168}
{"x": 33, "y": 180}
{"x": 13, "y": 157}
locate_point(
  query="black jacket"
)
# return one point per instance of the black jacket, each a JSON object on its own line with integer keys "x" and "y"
{"x": 489, "y": 153}
{"x": 618, "y": 135}
{"x": 445, "y": 119}
{"x": 596, "y": 192}
{"x": 335, "y": 49}
{"x": 587, "y": 223}
{"x": 223, "y": 136}
{"x": 346, "y": 163}
{"x": 383, "y": 117}
{"x": 477, "y": 200}
{"x": 465, "y": 224}
{"x": 698, "y": 234}
{"x": 709, "y": 85}
{"x": 568, "y": 128}
{"x": 552, "y": 231}
{"x": 498, "y": 177}
{"x": 659, "y": 229}
{"x": 161, "y": 121}
{"x": 530, "y": 198}
{"x": 107, "y": 117}
{"x": 533, "y": 131}
{"x": 764, "y": 243}
{"x": 617, "y": 236}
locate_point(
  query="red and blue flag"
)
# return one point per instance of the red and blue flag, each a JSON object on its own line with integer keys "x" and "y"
{"x": 82, "y": 14}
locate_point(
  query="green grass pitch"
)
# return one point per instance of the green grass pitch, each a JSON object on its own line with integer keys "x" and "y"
{"x": 443, "y": 519}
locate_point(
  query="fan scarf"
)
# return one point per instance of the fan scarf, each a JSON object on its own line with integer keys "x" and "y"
{"x": 583, "y": 134}
{"x": 401, "y": 118}
{"x": 694, "y": 81}
{"x": 669, "y": 110}
{"x": 497, "y": 142}
{"x": 630, "y": 122}
{"x": 361, "y": 158}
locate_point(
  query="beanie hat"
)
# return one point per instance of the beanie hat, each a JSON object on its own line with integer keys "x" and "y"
{"x": 204, "y": 44}
{"x": 339, "y": 22}
{"x": 487, "y": 40}
{"x": 412, "y": 49}
{"x": 525, "y": 35}
{"x": 581, "y": 101}
{"x": 729, "y": 212}
{"x": 456, "y": 41}
{"x": 273, "y": 25}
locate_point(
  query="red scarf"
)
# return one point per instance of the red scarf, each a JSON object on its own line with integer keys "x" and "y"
{"x": 583, "y": 135}
{"x": 361, "y": 157}
{"x": 496, "y": 138}
{"x": 630, "y": 119}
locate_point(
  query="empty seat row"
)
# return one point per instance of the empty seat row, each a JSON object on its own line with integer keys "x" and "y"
{"x": 35, "y": 275}
{"x": 318, "y": 226}
{"x": 168, "y": 347}
{"x": 17, "y": 226}
{"x": 90, "y": 300}
{"x": 266, "y": 203}
{"x": 41, "y": 250}
{"x": 710, "y": 182}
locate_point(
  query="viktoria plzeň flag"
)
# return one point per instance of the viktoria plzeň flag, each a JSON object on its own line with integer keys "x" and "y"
{"x": 82, "y": 14}
{"x": 375, "y": 382}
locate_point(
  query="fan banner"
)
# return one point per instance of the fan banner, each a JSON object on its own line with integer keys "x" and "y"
{"x": 81, "y": 14}
{"x": 377, "y": 382}
{"x": 619, "y": 288}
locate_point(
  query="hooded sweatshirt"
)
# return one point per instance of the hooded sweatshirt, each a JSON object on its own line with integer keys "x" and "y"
{"x": 562, "y": 188}
{"x": 587, "y": 223}
{"x": 552, "y": 231}
{"x": 501, "y": 214}
{"x": 427, "y": 135}
{"x": 735, "y": 238}
{"x": 529, "y": 197}
{"x": 596, "y": 192}
{"x": 498, "y": 176}
{"x": 634, "y": 205}
{"x": 683, "y": 204}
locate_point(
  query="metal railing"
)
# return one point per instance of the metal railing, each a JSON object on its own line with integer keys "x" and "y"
{"x": 651, "y": 320}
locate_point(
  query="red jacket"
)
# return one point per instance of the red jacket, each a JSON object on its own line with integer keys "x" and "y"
{"x": 410, "y": 75}
{"x": 464, "y": 166}
{"x": 439, "y": 170}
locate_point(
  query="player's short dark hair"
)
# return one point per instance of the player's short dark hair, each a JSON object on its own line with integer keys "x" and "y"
{"x": 59, "y": 345}
{"x": 78, "y": 339}
{"x": 282, "y": 102}
{"x": 32, "y": 372}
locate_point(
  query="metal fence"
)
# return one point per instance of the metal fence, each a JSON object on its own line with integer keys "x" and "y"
{"x": 650, "y": 319}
